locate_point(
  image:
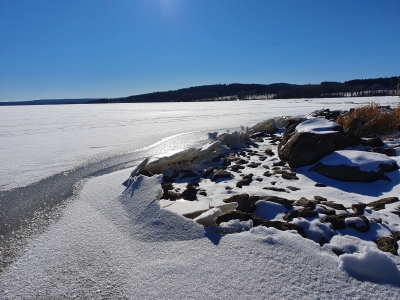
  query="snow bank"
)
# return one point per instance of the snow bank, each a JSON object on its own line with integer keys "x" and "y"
{"x": 365, "y": 161}
{"x": 372, "y": 266}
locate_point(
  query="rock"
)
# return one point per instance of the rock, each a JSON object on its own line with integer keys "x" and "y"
{"x": 167, "y": 186}
{"x": 339, "y": 221}
{"x": 380, "y": 204}
{"x": 235, "y": 215}
{"x": 186, "y": 174}
{"x": 242, "y": 161}
{"x": 220, "y": 174}
{"x": 293, "y": 188}
{"x": 303, "y": 212}
{"x": 287, "y": 203}
{"x": 243, "y": 202}
{"x": 318, "y": 184}
{"x": 168, "y": 179}
{"x": 253, "y": 165}
{"x": 305, "y": 203}
{"x": 275, "y": 189}
{"x": 278, "y": 225}
{"x": 374, "y": 142}
{"x": 328, "y": 212}
{"x": 289, "y": 176}
{"x": 334, "y": 205}
{"x": 269, "y": 152}
{"x": 387, "y": 244}
{"x": 236, "y": 167}
{"x": 203, "y": 193}
{"x": 146, "y": 173}
{"x": 259, "y": 179}
{"x": 386, "y": 151}
{"x": 242, "y": 216}
{"x": 190, "y": 193}
{"x": 208, "y": 172}
{"x": 308, "y": 147}
{"x": 361, "y": 228}
{"x": 358, "y": 208}
{"x": 319, "y": 198}
{"x": 247, "y": 179}
{"x": 279, "y": 163}
{"x": 353, "y": 171}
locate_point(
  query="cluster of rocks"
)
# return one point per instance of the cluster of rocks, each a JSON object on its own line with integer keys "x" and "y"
{"x": 295, "y": 149}
{"x": 301, "y": 149}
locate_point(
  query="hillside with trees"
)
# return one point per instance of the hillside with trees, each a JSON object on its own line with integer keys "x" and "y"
{"x": 235, "y": 91}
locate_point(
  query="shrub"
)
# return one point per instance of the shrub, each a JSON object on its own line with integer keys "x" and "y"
{"x": 371, "y": 120}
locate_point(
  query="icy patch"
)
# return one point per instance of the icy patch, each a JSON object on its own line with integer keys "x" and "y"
{"x": 366, "y": 161}
{"x": 317, "y": 126}
{"x": 370, "y": 266}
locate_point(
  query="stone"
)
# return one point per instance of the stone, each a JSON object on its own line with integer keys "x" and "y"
{"x": 380, "y": 204}
{"x": 305, "y": 203}
{"x": 386, "y": 151}
{"x": 303, "y": 212}
{"x": 146, "y": 173}
{"x": 275, "y": 189}
{"x": 362, "y": 228}
{"x": 319, "y": 198}
{"x": 221, "y": 174}
{"x": 339, "y": 221}
{"x": 246, "y": 180}
{"x": 208, "y": 172}
{"x": 243, "y": 202}
{"x": 334, "y": 205}
{"x": 318, "y": 184}
{"x": 387, "y": 244}
{"x": 358, "y": 208}
{"x": 190, "y": 193}
{"x": 279, "y": 163}
{"x": 293, "y": 188}
{"x": 287, "y": 203}
{"x": 235, "y": 215}
{"x": 353, "y": 172}
{"x": 254, "y": 165}
{"x": 289, "y": 176}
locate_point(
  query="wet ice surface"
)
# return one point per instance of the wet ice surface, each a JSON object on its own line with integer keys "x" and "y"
{"x": 102, "y": 248}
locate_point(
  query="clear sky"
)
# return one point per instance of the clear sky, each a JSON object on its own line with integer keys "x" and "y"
{"x": 52, "y": 49}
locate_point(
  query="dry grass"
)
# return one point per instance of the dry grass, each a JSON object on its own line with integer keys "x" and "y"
{"x": 371, "y": 120}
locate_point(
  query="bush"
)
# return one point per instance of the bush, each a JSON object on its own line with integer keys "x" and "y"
{"x": 371, "y": 120}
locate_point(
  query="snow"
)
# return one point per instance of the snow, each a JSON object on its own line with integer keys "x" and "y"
{"x": 120, "y": 242}
{"x": 317, "y": 126}
{"x": 39, "y": 141}
{"x": 366, "y": 161}
{"x": 372, "y": 266}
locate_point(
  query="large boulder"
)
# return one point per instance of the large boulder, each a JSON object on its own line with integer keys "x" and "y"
{"x": 305, "y": 143}
{"x": 355, "y": 166}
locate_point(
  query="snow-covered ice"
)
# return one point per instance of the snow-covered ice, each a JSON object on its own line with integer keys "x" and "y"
{"x": 117, "y": 242}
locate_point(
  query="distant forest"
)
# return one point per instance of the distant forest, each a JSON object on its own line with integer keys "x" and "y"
{"x": 237, "y": 91}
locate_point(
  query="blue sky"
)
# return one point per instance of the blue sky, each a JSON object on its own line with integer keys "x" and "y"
{"x": 109, "y": 48}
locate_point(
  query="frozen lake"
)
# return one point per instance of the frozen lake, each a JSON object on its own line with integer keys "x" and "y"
{"x": 39, "y": 141}
{"x": 109, "y": 245}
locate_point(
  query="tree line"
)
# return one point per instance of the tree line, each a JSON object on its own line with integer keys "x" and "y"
{"x": 238, "y": 91}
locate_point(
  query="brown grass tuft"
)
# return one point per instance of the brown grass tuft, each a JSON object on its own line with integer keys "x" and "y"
{"x": 371, "y": 120}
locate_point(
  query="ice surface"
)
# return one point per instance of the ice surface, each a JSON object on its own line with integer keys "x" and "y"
{"x": 43, "y": 140}
{"x": 366, "y": 161}
{"x": 122, "y": 245}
